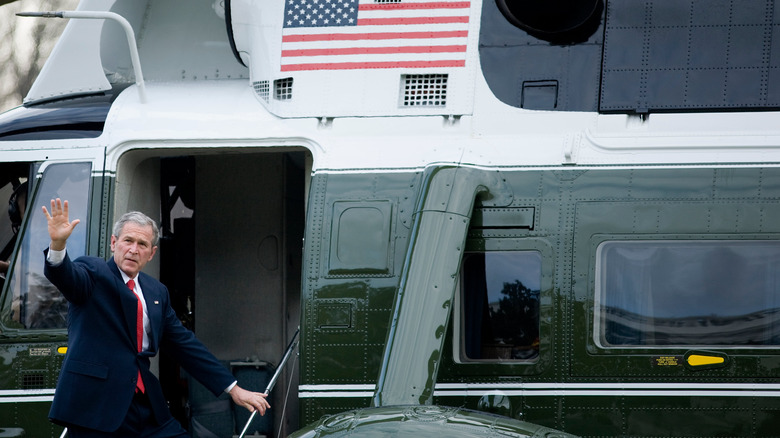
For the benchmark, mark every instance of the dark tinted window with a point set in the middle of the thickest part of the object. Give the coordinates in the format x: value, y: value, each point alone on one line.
x: 500, y: 302
x: 688, y: 293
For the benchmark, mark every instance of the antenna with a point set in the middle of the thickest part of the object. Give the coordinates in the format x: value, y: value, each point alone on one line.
x: 139, y: 77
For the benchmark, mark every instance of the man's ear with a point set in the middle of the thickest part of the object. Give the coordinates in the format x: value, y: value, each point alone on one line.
x: 154, y: 251
x: 113, y: 242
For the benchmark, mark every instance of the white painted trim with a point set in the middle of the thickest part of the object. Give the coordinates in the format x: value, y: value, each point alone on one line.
x: 336, y: 391
x: 335, y: 394
x: 26, y: 395
x: 563, y: 390
x: 26, y: 399
x: 608, y: 389
x: 370, y: 387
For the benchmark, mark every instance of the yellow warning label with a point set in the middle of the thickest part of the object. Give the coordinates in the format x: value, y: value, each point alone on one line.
x: 667, y: 361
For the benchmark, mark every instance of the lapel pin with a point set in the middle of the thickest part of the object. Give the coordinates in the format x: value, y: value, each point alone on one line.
x: 156, y: 302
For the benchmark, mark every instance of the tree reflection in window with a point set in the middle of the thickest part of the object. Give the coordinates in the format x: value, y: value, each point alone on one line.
x: 500, y: 292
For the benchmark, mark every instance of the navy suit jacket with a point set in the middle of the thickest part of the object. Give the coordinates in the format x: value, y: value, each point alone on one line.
x: 99, y: 373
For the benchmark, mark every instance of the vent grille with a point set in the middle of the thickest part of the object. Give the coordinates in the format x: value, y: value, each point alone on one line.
x: 283, y: 89
x: 33, y: 380
x: 423, y: 90
x: 263, y: 89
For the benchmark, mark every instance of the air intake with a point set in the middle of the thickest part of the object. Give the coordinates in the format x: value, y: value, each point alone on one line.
x: 283, y: 89
x: 262, y: 89
x: 33, y: 380
x: 423, y: 90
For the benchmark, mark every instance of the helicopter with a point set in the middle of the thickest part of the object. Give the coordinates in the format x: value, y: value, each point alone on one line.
x: 488, y: 218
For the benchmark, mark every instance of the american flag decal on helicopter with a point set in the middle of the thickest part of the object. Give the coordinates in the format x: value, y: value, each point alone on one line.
x: 366, y: 34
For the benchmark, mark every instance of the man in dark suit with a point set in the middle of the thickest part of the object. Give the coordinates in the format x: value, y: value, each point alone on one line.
x: 118, y: 318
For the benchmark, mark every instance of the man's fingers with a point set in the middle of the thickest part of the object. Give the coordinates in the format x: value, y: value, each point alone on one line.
x: 56, y: 208
x: 251, y: 407
x: 258, y: 404
x: 252, y: 401
x: 60, y: 212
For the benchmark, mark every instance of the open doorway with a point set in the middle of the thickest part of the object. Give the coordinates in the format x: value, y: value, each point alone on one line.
x: 230, y: 254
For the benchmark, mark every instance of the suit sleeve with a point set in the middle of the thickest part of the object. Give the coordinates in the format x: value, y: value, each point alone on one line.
x: 73, y: 279
x: 192, y: 355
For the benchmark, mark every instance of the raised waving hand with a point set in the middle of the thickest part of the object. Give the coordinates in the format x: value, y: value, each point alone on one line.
x: 60, y: 226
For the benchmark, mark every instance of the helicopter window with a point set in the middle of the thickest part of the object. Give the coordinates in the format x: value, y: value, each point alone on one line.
x: 688, y: 293
x: 31, y: 301
x: 500, y: 301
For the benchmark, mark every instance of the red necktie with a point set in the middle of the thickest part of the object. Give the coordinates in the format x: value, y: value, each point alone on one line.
x: 139, y: 331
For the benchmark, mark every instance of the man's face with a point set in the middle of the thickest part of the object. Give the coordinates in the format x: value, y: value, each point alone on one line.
x: 133, y: 248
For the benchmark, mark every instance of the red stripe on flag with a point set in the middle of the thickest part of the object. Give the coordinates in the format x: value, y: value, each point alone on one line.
x: 410, y: 20
x: 373, y: 50
x: 373, y: 36
x: 368, y: 65
x: 430, y: 5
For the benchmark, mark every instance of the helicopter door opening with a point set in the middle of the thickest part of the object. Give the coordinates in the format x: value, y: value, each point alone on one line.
x: 231, y: 230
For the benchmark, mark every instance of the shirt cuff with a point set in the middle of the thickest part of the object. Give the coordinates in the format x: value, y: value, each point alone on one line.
x: 232, y: 385
x: 55, y: 257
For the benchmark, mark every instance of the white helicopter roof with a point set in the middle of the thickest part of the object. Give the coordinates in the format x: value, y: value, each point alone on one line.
x: 377, y: 61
